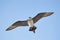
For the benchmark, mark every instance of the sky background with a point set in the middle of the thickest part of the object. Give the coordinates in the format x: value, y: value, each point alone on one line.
x: 48, y: 28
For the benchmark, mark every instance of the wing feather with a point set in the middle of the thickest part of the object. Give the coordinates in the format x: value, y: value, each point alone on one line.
x: 41, y: 15
x: 16, y: 24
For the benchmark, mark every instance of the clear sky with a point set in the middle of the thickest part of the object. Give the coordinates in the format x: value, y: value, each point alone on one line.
x: 48, y: 28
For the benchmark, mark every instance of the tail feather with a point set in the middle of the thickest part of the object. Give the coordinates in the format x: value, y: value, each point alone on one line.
x: 32, y: 29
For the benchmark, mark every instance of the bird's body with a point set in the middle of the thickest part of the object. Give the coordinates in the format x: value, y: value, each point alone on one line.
x: 30, y: 22
x: 31, y: 25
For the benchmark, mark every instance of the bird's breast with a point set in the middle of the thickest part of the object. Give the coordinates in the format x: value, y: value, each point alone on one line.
x: 30, y: 23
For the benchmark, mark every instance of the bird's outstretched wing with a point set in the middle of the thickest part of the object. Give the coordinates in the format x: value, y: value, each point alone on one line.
x: 41, y: 15
x: 24, y: 23
x: 16, y: 24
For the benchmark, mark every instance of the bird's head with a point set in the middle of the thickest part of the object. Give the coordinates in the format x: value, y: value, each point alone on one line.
x: 29, y: 18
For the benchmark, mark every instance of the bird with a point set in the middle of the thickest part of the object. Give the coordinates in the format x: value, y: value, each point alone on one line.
x: 30, y: 22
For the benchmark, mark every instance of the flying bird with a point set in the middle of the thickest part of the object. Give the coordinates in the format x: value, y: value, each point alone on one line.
x: 30, y: 22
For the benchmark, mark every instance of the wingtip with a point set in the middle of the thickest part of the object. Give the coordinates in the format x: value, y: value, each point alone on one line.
x: 7, y: 29
x: 52, y: 12
x: 10, y: 28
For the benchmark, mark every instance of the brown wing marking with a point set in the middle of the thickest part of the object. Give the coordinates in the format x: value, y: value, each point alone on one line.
x: 41, y: 15
x: 16, y: 24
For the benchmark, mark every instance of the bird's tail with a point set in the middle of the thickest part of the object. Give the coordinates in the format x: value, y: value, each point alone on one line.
x: 32, y: 29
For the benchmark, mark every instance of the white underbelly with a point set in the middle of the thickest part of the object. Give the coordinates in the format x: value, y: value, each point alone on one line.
x: 30, y: 23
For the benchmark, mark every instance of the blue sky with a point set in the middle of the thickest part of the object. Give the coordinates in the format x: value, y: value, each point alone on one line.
x: 48, y: 28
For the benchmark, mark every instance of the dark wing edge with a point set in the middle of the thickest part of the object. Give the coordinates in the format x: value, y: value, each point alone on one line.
x: 41, y: 15
x: 16, y: 24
